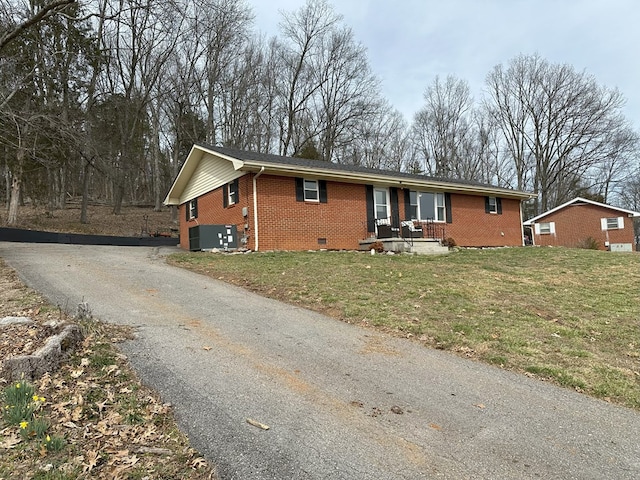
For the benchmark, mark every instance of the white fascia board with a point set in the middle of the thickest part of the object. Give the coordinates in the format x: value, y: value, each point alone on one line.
x: 174, y: 197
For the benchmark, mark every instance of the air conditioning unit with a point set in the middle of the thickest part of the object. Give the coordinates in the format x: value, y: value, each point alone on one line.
x: 207, y: 237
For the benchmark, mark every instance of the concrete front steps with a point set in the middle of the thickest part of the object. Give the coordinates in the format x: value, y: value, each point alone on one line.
x: 419, y: 246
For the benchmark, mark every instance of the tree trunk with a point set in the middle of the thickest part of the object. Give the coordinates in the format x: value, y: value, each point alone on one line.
x: 85, y: 193
x: 118, y: 195
x: 16, y: 185
x: 157, y: 174
x: 52, y: 190
x: 62, y: 194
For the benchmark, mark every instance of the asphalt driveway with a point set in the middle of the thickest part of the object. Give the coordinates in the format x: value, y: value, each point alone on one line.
x: 342, y: 402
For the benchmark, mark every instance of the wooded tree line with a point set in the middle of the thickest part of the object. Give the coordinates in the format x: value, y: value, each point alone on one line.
x: 103, y: 99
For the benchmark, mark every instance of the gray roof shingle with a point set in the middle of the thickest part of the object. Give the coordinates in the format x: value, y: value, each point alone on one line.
x: 307, y: 163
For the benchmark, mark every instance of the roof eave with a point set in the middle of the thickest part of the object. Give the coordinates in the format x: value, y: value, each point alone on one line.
x: 365, y: 178
x: 533, y: 220
x: 189, y: 166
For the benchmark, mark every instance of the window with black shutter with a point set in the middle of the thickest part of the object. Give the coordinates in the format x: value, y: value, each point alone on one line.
x: 493, y: 205
x: 308, y: 190
x: 191, y: 210
x: 231, y: 193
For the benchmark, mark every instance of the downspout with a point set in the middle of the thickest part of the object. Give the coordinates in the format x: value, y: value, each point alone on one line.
x: 522, y: 227
x: 255, y: 207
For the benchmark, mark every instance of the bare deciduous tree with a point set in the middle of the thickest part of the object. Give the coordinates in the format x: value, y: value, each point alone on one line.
x: 557, y: 124
x: 303, y: 32
x: 444, y: 133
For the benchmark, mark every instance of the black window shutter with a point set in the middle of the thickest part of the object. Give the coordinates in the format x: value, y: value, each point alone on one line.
x: 395, y: 208
x: 487, y: 209
x: 225, y: 195
x: 407, y: 204
x: 499, y: 205
x: 186, y: 211
x: 371, y: 214
x: 447, y: 207
x: 236, y: 188
x: 299, y: 189
x: 195, y: 207
x: 322, y: 186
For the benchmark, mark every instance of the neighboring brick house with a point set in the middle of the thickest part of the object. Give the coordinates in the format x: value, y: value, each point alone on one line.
x: 579, y: 221
x: 309, y: 204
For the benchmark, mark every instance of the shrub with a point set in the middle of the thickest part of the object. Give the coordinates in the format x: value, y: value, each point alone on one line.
x: 589, y: 243
x: 378, y: 247
x: 449, y: 242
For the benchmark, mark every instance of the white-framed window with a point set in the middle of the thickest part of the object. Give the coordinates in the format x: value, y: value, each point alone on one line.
x: 192, y: 208
x: 381, y: 201
x: 493, y: 205
x: 428, y: 206
x: 612, y: 223
x: 233, y: 193
x: 545, y: 228
x: 413, y: 206
x: 311, y: 191
x: 441, y: 210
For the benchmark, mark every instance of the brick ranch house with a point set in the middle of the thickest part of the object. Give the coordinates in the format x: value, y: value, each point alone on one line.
x: 573, y: 223
x: 282, y: 203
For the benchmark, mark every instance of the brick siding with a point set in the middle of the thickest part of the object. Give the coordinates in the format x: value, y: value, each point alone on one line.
x: 575, y: 223
x: 286, y: 224
x: 472, y: 227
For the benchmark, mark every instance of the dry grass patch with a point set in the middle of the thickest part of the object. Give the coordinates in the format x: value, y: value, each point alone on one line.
x: 566, y: 315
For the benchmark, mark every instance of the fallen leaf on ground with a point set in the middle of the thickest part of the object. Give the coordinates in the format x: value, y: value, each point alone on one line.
x: 198, y: 463
x: 92, y: 461
x: 10, y: 442
x: 255, y: 423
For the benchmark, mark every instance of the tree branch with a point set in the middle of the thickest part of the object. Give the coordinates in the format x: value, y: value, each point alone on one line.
x: 45, y: 12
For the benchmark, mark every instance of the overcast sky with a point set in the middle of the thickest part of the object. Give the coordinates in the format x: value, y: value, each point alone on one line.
x: 409, y: 42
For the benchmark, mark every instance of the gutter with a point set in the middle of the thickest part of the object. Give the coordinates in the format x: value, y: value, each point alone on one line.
x: 255, y: 207
x: 387, y: 180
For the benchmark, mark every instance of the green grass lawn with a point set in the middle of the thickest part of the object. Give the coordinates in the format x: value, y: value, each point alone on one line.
x: 567, y: 315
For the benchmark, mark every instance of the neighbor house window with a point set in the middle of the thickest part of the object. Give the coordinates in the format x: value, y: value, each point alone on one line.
x: 545, y: 228
x: 192, y: 209
x: 614, y: 223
